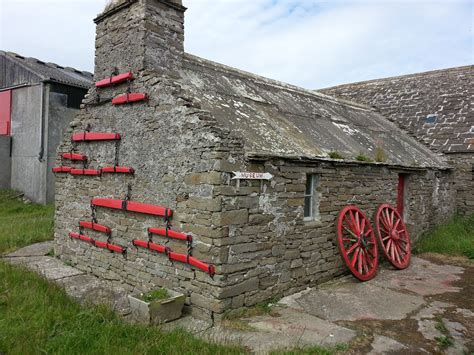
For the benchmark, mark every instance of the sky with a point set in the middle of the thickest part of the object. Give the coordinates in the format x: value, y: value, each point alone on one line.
x: 309, y: 43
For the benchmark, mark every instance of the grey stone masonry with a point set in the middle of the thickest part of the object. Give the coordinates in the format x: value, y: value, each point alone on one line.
x: 184, y: 157
x: 437, y: 107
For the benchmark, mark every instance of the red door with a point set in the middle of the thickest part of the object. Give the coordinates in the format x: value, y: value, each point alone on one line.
x: 400, y: 194
x: 5, y: 112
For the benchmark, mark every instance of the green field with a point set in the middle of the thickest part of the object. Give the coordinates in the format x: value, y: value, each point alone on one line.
x: 23, y: 223
x: 453, y: 238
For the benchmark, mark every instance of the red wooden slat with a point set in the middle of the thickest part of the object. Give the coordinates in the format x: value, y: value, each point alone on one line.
x: 152, y: 246
x: 111, y: 247
x: 132, y: 206
x: 114, y: 80
x: 178, y: 257
x: 201, y: 265
x: 129, y: 98
x: 95, y: 136
x: 171, y: 234
x: 82, y: 237
x: 74, y: 156
x: 149, y: 209
x: 118, y: 170
x: 88, y: 172
x: 95, y: 227
x: 62, y: 169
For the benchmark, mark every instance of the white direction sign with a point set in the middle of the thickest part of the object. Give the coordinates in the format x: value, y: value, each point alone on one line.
x: 242, y: 175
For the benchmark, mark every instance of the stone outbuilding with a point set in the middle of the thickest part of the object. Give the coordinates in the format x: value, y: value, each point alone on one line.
x: 436, y: 107
x: 37, y: 102
x: 150, y: 196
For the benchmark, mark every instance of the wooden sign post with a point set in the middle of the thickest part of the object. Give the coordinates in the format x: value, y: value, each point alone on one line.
x: 242, y: 175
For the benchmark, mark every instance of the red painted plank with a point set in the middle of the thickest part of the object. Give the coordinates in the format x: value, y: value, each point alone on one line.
x: 111, y: 247
x: 171, y: 234
x: 82, y: 237
x: 95, y: 227
x: 62, y: 169
x: 210, y: 269
x: 88, y: 172
x: 149, y: 209
x: 132, y: 206
x: 118, y: 170
x: 117, y: 79
x: 74, y: 156
x: 129, y: 98
x: 95, y: 136
x: 178, y: 257
x: 107, y: 203
x: 152, y: 246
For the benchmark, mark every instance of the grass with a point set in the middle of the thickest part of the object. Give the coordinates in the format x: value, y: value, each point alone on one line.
x: 313, y: 350
x: 362, y: 157
x: 21, y: 223
x: 159, y: 294
x: 233, y: 319
x: 453, y: 238
x: 37, y: 316
x: 446, y: 340
x: 380, y: 156
x: 335, y: 155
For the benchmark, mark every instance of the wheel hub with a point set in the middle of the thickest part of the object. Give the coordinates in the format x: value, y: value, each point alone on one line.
x: 395, y: 235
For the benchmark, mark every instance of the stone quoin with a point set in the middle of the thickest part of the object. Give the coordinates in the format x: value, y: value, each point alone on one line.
x: 200, y: 123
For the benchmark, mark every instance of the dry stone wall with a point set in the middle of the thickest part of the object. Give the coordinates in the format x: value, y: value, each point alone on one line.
x: 272, y: 251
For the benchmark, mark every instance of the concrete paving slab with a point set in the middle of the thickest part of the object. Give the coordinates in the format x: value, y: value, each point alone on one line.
x: 51, y: 268
x: 432, y: 309
x: 383, y: 345
x: 89, y: 289
x: 360, y: 301
x: 300, y: 325
x: 38, y: 249
x: 422, y: 277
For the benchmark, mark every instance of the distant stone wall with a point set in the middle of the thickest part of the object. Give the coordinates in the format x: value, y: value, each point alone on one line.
x: 436, y: 107
x: 464, y: 179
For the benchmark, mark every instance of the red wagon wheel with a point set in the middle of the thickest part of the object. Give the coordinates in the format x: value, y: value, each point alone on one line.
x: 357, y: 243
x: 393, y: 236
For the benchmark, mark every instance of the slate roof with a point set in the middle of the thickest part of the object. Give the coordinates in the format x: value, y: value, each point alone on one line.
x: 437, y: 106
x: 281, y: 120
x: 51, y: 71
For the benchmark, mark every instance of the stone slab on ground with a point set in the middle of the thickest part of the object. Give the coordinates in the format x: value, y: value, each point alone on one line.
x: 308, y: 329
x: 383, y: 345
x: 357, y: 301
x: 38, y: 249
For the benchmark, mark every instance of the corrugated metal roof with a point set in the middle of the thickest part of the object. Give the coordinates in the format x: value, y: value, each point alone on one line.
x: 51, y: 71
x: 278, y: 119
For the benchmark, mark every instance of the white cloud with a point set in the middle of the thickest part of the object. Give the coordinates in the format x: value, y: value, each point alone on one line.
x: 311, y: 43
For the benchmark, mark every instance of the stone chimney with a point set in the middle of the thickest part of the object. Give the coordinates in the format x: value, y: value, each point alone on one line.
x: 133, y: 35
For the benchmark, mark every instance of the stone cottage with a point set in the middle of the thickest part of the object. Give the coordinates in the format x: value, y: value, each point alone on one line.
x: 38, y: 100
x: 146, y: 190
x: 436, y: 107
